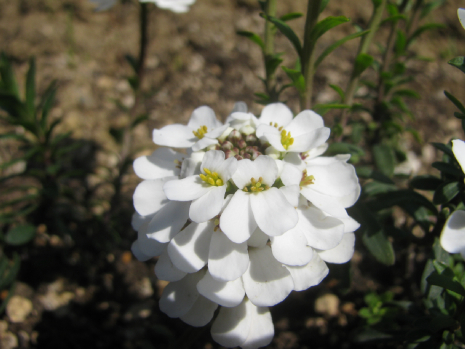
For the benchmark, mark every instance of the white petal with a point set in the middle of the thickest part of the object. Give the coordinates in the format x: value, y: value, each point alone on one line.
x: 179, y: 297
x: 212, y: 160
x: 461, y: 14
x: 232, y: 325
x: 309, y: 275
x: 272, y: 212
x: 150, y: 247
x: 264, y: 129
x: 237, y: 220
x: 217, y: 132
x: 266, y: 282
x: 165, y: 269
x: 200, y: 313
x: 453, y: 234
x: 176, y: 136
x: 208, y: 205
x: 304, y: 122
x: 137, y: 252
x: 204, y: 143
x: 191, y: 165
x: 261, y: 331
x: 227, y: 294
x: 291, y: 193
x: 258, y: 238
x: 163, y: 162
x: 137, y: 220
x: 322, y: 232
x: 274, y: 138
x: 458, y: 146
x: 276, y: 113
x: 310, y: 140
x: 268, y: 169
x: 189, y: 249
x: 185, y: 189
x: 149, y: 196
x: 291, y: 248
x: 246, y: 169
x: 342, y: 253
x: 226, y: 169
x: 203, y: 116
x: 168, y: 221
x: 291, y: 174
x: 226, y: 259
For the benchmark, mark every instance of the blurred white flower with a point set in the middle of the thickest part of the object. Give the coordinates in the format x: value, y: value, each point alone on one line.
x: 178, y: 6
x: 461, y: 14
x: 453, y: 234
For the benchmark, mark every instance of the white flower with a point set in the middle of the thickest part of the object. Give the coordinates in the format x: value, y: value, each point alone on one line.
x: 201, y: 131
x: 461, y: 14
x: 287, y: 134
x: 207, y: 190
x: 257, y: 203
x: 178, y: 6
x: 453, y: 234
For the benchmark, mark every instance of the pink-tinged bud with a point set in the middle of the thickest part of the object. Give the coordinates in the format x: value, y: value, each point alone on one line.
x: 247, y: 156
x: 303, y: 156
x: 238, y: 157
x: 234, y: 136
x: 227, y: 145
x: 255, y: 154
x: 251, y: 139
x: 236, y: 150
x: 241, y: 144
x: 228, y: 154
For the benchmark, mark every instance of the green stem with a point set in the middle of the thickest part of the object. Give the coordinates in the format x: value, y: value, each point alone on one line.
x: 307, y: 56
x: 365, y: 43
x: 268, y: 52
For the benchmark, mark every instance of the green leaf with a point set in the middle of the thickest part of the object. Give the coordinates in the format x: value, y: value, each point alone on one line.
x: 8, y: 81
x: 291, y: 16
x: 375, y: 188
x: 393, y: 18
x: 339, y: 91
x: 446, y: 282
x: 373, y: 235
x: 454, y: 100
x: 132, y: 62
x: 20, y: 234
x: 253, y: 37
x: 323, y: 5
x: 447, y: 168
x: 323, y: 26
x: 13, y: 106
x: 31, y: 87
x: 139, y: 119
x: 358, y: 129
x: 458, y: 62
x: 406, y: 93
x: 401, y: 43
x: 272, y: 62
x: 444, y: 148
x: 117, y: 133
x: 422, y: 29
x: 400, y: 198
x: 430, y: 6
x: 362, y: 62
x: 425, y: 182
x: 286, y: 31
x: 384, y: 158
x: 297, y: 78
x: 338, y: 43
x: 446, y: 192
x: 46, y: 104
x: 366, y: 172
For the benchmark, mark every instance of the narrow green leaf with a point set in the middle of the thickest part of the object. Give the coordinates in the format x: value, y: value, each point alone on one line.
x: 407, y: 93
x: 272, y: 63
x: 447, y: 168
x: 46, y: 104
x: 430, y: 6
x: 31, y: 87
x: 425, y: 182
x: 291, y: 16
x: 400, y: 198
x: 132, y: 62
x: 362, y: 62
x: 296, y: 77
x: 338, y: 43
x: 253, y: 37
x: 401, y: 43
x: 323, y: 5
x: 446, y: 282
x: 13, y: 106
x: 286, y: 31
x: 375, y: 188
x: 446, y: 149
x: 20, y: 234
x: 8, y: 80
x: 366, y: 172
x: 454, y: 100
x: 323, y: 26
x: 458, y: 62
x: 384, y: 158
x: 345, y: 148
x: 393, y: 18
x: 373, y: 235
x: 422, y: 29
x: 446, y: 192
x: 339, y: 91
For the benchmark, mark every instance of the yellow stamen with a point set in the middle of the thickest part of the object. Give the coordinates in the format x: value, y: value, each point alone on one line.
x: 306, y: 179
x: 211, y: 178
x: 200, y: 132
x: 286, y: 139
x: 255, y: 186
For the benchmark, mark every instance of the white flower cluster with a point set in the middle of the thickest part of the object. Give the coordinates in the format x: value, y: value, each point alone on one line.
x: 178, y: 6
x: 250, y: 213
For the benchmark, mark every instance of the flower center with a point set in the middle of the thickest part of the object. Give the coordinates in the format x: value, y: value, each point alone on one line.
x: 256, y: 186
x: 200, y: 132
x: 211, y: 178
x: 306, y: 179
x: 286, y: 139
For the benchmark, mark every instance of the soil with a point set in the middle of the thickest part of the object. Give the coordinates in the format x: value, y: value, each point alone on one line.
x: 86, y: 290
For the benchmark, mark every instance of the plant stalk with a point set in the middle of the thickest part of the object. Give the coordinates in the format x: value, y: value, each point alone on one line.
x: 268, y: 52
x: 307, y: 56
